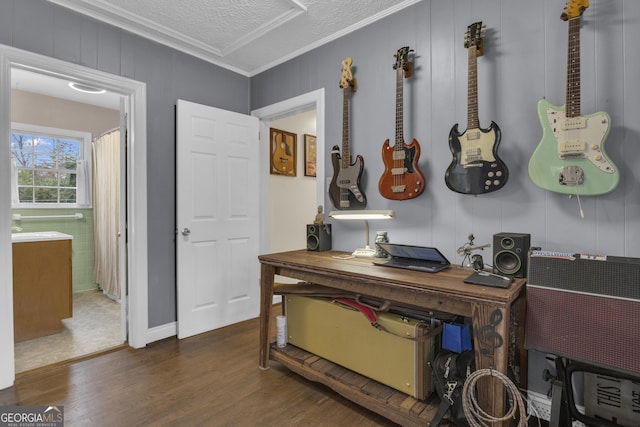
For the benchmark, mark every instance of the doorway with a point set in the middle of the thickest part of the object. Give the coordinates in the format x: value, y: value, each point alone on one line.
x: 311, y: 101
x: 78, y: 130
x: 133, y: 95
x: 293, y: 201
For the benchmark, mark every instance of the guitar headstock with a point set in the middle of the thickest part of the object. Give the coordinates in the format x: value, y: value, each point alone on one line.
x: 347, y: 79
x: 574, y: 9
x: 402, y: 61
x: 474, y: 36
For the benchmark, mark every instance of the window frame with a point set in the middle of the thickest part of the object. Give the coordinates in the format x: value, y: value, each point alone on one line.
x: 85, y: 155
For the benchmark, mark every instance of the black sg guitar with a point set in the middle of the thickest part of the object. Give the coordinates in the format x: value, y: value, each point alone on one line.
x: 344, y: 190
x: 476, y: 167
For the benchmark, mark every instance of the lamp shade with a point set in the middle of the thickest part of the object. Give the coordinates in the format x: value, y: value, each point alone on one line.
x: 362, y: 214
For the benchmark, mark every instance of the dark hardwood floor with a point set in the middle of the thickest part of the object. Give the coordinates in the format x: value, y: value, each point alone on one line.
x: 211, y: 379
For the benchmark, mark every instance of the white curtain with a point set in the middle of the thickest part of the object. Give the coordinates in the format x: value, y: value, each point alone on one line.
x: 83, y: 195
x: 14, y: 182
x: 106, y: 212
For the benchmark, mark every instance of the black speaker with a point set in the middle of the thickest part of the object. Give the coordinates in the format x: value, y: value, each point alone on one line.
x: 318, y: 237
x: 510, y: 253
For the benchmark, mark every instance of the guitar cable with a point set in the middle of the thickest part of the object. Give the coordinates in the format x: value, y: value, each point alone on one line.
x: 476, y: 416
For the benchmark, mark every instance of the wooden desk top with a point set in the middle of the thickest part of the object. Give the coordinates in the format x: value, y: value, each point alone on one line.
x: 361, y: 276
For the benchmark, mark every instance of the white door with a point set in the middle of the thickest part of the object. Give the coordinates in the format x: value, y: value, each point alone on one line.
x: 217, y: 218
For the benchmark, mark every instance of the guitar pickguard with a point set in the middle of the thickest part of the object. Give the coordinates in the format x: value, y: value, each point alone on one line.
x: 569, y: 145
x: 344, y: 189
x: 581, y: 137
x: 476, y: 145
x: 348, y: 178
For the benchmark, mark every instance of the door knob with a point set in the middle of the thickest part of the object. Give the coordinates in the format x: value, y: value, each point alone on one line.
x: 186, y: 231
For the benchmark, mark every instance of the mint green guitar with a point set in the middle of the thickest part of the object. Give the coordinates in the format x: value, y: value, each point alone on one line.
x: 570, y: 158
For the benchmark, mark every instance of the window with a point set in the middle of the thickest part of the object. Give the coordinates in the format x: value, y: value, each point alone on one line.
x: 51, y: 167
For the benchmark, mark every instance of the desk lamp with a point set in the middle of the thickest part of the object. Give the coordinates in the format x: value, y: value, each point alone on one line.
x: 365, y: 215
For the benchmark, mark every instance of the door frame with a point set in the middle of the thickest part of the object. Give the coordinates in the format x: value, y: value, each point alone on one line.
x: 134, y: 93
x: 288, y: 107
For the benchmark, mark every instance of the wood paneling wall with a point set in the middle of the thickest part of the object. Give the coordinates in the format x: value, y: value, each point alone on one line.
x: 524, y: 60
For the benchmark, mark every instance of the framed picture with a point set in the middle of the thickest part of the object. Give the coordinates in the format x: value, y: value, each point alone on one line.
x: 309, y: 155
x: 283, y: 152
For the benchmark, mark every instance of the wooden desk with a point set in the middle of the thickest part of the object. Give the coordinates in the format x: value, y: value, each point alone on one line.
x: 497, y: 315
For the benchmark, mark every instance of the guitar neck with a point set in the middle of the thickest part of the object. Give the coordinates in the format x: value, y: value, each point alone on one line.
x: 399, y: 110
x: 573, y: 69
x: 346, y: 155
x: 472, y: 90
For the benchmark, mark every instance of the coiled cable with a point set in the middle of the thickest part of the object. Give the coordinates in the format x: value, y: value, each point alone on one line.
x: 476, y: 416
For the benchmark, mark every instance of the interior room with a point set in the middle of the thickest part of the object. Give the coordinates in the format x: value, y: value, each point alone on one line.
x: 41, y: 107
x: 276, y: 154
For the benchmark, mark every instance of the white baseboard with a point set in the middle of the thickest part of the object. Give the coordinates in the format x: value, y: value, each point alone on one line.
x: 540, y: 406
x: 161, y: 332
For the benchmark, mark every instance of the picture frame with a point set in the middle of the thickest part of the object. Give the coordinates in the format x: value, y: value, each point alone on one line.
x: 283, y: 148
x: 310, y: 155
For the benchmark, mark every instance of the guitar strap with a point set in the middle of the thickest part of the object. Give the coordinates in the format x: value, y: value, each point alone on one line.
x: 372, y: 317
x: 445, y: 404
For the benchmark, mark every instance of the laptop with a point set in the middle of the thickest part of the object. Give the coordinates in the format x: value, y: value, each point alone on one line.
x: 409, y: 257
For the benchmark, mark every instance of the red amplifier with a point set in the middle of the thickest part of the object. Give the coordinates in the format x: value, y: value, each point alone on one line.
x: 585, y: 308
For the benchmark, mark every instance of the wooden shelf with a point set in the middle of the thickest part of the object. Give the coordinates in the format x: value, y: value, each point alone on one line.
x: 386, y: 401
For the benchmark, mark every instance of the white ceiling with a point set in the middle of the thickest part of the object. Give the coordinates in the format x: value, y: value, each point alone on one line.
x: 56, y: 87
x: 245, y: 36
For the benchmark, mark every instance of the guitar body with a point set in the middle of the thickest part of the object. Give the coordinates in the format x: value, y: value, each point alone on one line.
x: 401, y: 179
x: 476, y: 167
x: 344, y: 189
x: 570, y: 158
x: 283, y: 155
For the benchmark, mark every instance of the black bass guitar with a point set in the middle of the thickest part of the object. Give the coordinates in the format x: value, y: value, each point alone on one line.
x: 344, y: 191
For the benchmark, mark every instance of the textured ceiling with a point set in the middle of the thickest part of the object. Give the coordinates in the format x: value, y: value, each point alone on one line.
x: 246, y: 36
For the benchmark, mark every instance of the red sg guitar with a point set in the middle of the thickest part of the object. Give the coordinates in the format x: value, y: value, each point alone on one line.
x: 401, y: 179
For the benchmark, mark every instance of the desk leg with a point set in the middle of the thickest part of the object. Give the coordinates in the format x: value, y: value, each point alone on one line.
x: 491, y: 343
x: 266, y: 302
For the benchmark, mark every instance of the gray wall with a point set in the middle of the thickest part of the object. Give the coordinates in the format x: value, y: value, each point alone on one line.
x: 41, y: 27
x: 524, y: 60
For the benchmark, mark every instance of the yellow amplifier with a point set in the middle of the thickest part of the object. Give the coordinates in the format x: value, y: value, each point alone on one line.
x: 397, y: 354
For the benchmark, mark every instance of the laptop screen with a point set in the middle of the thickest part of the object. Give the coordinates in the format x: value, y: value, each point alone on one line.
x: 414, y: 252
